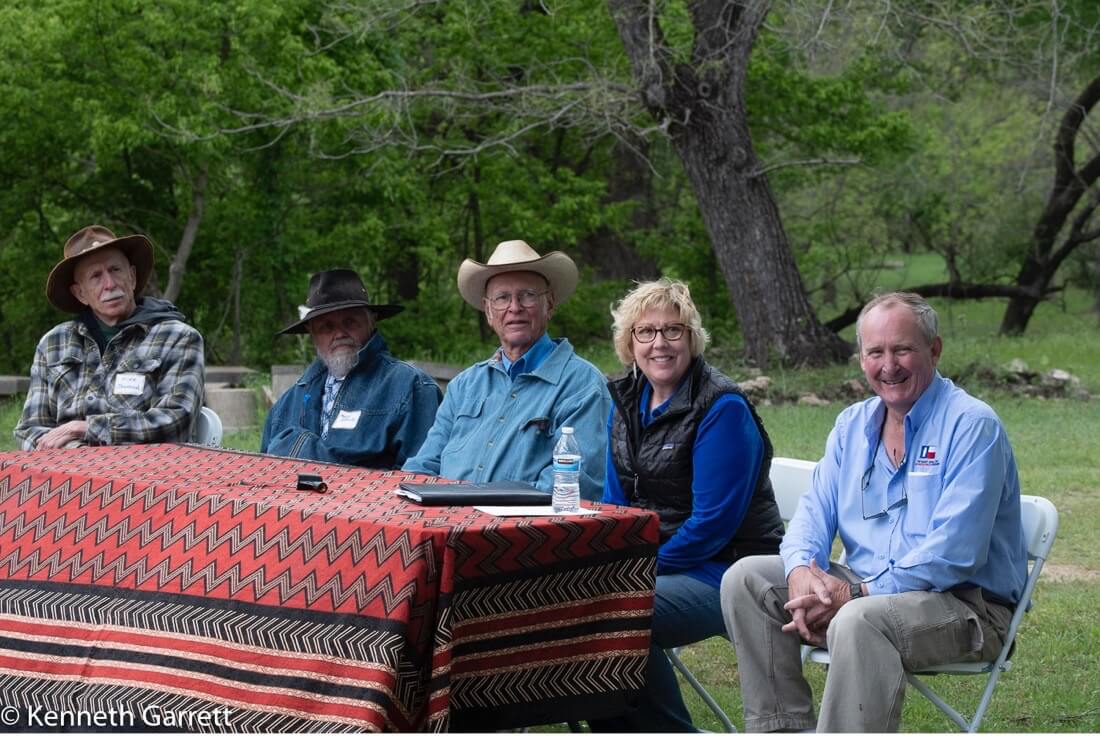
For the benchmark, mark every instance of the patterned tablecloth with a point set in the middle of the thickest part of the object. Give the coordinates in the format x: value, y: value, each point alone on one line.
x: 179, y: 586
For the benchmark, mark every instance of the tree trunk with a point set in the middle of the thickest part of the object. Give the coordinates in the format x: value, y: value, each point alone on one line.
x: 753, y: 253
x: 235, y: 354
x: 701, y: 104
x: 187, y: 242
x: 1071, y: 183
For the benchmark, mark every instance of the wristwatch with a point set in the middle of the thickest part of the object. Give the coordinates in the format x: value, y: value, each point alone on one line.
x: 856, y: 591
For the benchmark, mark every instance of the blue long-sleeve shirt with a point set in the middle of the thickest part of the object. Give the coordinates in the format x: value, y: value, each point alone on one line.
x: 722, y: 486
x: 948, y: 517
x: 493, y: 427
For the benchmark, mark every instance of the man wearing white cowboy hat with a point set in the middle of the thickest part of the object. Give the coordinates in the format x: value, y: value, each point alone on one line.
x: 356, y: 404
x: 501, y: 417
x: 126, y: 369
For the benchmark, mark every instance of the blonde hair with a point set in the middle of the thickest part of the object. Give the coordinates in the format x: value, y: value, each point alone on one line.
x: 656, y: 295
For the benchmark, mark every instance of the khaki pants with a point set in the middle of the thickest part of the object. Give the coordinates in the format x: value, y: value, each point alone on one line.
x: 872, y: 641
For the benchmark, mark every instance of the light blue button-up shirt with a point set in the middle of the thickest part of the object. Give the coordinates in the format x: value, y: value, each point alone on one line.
x: 530, y: 360
x: 490, y: 427
x: 949, y: 517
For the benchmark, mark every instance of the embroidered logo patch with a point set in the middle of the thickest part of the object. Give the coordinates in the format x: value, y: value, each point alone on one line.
x: 927, y: 458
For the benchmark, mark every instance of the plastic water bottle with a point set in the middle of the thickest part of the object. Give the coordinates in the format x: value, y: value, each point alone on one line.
x: 567, y: 473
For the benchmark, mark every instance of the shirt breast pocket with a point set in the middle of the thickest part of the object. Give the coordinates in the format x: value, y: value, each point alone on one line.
x: 65, y: 377
x: 922, y: 491
x: 468, y: 420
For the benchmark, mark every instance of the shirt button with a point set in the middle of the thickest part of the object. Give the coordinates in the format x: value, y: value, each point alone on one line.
x: 513, y: 395
x: 502, y: 420
x: 882, y: 557
x: 891, y: 562
x: 481, y: 467
x: 490, y: 443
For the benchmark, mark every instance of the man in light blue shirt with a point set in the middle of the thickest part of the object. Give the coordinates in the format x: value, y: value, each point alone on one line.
x: 921, y: 484
x: 501, y: 417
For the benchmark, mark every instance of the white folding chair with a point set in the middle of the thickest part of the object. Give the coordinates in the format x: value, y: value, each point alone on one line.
x: 790, y: 479
x: 208, y: 428
x: 1040, y: 519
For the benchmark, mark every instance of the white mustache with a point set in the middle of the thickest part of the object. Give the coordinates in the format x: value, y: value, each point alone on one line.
x: 113, y: 294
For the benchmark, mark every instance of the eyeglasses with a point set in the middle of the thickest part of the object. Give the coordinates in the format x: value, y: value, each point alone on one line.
x: 648, y: 333
x: 526, y: 298
x: 865, y: 481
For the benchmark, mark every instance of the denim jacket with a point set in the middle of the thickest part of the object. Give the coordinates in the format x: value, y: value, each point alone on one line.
x: 491, y: 428
x: 383, y: 411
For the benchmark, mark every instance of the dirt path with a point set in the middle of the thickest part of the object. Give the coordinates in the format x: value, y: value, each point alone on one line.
x: 1069, y: 574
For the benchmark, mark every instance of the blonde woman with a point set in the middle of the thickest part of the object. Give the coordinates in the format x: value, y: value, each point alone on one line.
x: 685, y: 442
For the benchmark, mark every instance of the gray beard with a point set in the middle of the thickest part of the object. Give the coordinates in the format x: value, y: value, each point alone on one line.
x: 339, y: 362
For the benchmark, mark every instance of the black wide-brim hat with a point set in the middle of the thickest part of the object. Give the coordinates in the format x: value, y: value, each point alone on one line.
x: 333, y: 290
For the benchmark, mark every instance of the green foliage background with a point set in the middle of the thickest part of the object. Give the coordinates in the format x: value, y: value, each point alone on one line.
x: 126, y: 113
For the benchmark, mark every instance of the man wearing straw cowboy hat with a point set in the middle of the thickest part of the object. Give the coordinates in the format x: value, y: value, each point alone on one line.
x: 356, y: 404
x: 501, y: 417
x: 126, y: 369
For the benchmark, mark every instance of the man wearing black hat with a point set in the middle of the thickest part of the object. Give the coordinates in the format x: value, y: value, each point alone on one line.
x: 356, y: 404
x: 126, y: 369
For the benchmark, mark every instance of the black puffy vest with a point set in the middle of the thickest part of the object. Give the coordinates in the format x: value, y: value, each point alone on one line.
x: 654, y: 463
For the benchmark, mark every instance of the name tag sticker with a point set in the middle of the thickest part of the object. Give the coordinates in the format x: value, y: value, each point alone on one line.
x: 346, y: 420
x: 130, y: 384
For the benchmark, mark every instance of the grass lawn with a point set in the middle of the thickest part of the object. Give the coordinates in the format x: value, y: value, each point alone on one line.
x: 1055, y: 682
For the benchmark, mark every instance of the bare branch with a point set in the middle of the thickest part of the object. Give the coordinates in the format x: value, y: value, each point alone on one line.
x: 805, y: 162
x: 951, y: 291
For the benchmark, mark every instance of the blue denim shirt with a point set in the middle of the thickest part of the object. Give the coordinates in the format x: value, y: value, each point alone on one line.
x: 383, y: 410
x: 490, y: 427
x: 948, y: 517
x: 530, y: 360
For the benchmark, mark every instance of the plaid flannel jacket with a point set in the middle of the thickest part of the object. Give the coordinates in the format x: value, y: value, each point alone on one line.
x: 158, y: 400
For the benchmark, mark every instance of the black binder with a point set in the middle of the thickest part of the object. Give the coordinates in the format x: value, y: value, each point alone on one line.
x: 496, y: 493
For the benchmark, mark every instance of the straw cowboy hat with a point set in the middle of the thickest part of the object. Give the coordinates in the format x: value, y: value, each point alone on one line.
x: 333, y: 290
x: 85, y: 241
x: 515, y: 255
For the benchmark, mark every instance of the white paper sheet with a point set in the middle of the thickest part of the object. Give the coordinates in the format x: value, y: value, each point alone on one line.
x: 530, y: 511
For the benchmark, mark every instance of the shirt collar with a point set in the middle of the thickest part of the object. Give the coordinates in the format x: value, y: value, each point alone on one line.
x: 648, y: 415
x: 918, y: 413
x: 530, y: 360
x: 920, y: 410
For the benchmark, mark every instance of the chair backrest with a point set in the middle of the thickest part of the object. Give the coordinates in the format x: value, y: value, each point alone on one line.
x: 208, y: 428
x: 790, y: 479
x: 1040, y: 520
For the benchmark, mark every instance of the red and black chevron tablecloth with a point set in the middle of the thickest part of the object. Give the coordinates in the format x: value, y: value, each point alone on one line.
x: 157, y: 582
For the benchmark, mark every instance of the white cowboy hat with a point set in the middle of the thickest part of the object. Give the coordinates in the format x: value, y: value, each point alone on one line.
x: 515, y: 255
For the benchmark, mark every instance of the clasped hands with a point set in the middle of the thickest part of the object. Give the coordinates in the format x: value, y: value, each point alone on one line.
x: 815, y: 598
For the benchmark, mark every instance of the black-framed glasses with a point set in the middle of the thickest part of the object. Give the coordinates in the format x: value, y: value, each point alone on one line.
x: 527, y: 298
x: 648, y: 333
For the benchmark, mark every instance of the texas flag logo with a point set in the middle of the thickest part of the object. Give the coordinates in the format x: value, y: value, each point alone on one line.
x: 927, y: 452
